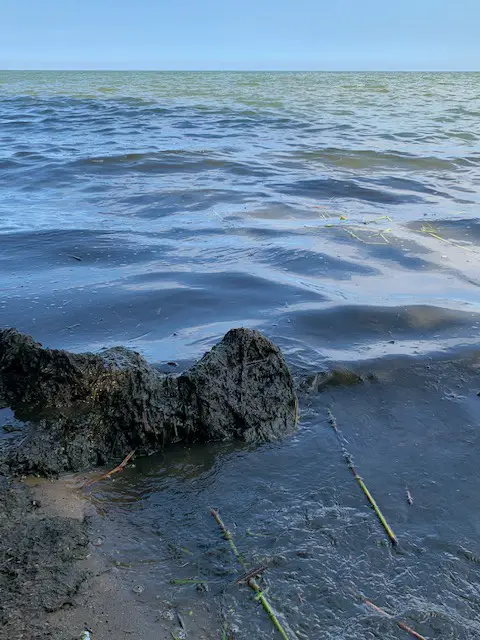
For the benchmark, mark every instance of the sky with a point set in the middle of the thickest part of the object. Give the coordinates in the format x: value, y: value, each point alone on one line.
x: 240, y: 34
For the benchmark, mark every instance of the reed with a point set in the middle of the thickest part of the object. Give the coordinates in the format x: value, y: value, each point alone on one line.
x: 428, y: 229
x: 333, y: 423
x: 252, y: 583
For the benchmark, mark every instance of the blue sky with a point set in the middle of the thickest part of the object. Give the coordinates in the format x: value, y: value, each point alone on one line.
x: 240, y: 34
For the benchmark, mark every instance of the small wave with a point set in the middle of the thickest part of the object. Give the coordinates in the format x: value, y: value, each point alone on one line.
x: 346, y: 189
x: 312, y: 263
x: 181, y: 161
x: 369, y: 158
x: 346, y: 324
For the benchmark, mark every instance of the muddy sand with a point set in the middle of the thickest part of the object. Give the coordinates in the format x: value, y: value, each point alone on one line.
x: 54, y: 580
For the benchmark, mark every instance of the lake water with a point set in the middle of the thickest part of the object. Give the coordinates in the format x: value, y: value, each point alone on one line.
x: 337, y: 213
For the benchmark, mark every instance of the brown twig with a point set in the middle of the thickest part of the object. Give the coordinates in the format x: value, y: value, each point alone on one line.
x: 120, y: 467
x: 251, y: 574
x: 402, y: 625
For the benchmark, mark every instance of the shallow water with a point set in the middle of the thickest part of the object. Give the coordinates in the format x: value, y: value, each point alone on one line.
x: 295, y: 507
x: 339, y: 214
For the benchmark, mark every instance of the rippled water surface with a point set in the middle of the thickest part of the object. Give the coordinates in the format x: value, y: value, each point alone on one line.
x: 339, y: 214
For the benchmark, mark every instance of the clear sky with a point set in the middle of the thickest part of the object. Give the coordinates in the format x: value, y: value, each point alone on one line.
x: 240, y: 34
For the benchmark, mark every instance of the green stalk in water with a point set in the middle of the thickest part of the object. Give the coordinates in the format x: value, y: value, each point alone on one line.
x: 252, y: 583
x: 228, y: 536
x: 356, y: 475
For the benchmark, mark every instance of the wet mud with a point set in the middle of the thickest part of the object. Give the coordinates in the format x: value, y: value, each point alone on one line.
x: 39, y: 570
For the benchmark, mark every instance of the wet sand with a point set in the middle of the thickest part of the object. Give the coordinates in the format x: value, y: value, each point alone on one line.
x: 96, y: 599
x: 105, y: 605
x: 40, y: 570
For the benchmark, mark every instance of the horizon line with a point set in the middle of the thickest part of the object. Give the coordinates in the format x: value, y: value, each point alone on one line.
x: 159, y: 70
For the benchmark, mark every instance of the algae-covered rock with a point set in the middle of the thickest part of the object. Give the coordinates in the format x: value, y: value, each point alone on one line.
x: 86, y: 408
x: 333, y: 378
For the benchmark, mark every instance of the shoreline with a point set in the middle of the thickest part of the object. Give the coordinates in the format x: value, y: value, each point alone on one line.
x: 86, y: 407
x: 95, y: 598
x: 419, y: 400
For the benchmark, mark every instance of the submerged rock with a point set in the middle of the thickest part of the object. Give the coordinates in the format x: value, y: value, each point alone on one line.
x: 333, y: 378
x: 86, y: 408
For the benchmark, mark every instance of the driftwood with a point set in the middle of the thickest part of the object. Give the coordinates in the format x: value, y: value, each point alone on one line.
x: 84, y: 409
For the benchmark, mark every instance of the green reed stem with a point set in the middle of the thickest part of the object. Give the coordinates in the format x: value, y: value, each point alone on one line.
x: 252, y: 583
x: 356, y: 475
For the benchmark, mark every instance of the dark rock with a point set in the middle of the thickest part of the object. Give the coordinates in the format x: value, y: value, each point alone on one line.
x: 84, y: 409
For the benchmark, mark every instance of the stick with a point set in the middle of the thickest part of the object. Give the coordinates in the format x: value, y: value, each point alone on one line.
x: 251, y: 574
x: 349, y: 460
x: 333, y: 423
x: 402, y: 625
x: 252, y: 583
x: 260, y: 595
x: 391, y: 535
x: 120, y: 467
